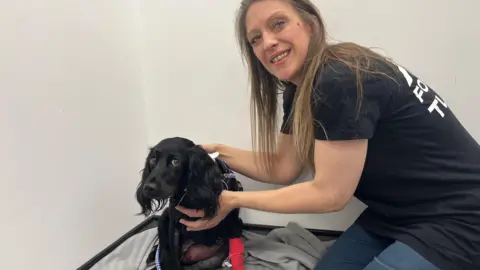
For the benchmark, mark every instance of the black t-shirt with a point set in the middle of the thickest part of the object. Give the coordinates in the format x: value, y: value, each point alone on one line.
x: 421, y: 179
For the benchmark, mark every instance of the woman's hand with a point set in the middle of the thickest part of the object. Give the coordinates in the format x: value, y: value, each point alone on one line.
x: 210, y: 148
x: 226, y: 205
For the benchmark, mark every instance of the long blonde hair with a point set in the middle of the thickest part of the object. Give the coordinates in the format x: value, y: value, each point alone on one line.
x: 265, y: 87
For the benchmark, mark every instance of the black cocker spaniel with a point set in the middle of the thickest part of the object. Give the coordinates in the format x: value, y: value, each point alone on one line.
x: 179, y: 172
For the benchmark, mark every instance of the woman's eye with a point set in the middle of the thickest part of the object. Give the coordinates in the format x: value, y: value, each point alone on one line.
x: 253, y: 40
x: 278, y: 24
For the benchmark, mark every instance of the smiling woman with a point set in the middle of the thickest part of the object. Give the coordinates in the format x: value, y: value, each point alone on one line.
x: 365, y: 126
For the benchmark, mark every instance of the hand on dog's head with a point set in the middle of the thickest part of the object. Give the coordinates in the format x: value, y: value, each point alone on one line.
x: 175, y: 166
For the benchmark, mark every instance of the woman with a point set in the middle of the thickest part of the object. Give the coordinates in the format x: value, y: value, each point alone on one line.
x: 366, y: 127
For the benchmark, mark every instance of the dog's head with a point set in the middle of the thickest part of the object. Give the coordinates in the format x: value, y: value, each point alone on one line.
x: 175, y: 166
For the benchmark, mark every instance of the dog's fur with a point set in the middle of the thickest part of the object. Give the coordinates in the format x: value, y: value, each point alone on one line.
x: 180, y: 172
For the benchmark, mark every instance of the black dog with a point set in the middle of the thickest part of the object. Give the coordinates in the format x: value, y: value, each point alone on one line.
x: 182, y: 173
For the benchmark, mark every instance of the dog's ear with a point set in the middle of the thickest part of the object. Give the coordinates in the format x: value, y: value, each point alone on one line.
x: 204, y: 180
x: 145, y: 203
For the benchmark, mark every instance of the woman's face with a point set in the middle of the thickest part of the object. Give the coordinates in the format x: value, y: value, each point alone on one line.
x: 279, y: 38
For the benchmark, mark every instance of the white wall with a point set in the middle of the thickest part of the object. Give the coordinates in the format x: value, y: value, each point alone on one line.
x: 72, y: 129
x: 64, y: 198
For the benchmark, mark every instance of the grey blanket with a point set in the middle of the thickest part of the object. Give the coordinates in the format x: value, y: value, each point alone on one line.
x: 289, y: 248
x: 131, y: 254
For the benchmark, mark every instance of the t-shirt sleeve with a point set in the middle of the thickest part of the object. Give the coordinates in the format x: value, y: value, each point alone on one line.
x: 337, y: 114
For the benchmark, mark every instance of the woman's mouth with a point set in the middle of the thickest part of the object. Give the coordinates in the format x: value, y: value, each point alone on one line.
x: 280, y: 58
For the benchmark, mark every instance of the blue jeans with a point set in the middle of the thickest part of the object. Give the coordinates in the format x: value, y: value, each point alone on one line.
x: 358, y: 249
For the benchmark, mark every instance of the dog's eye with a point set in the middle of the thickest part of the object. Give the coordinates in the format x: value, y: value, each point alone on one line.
x: 153, y: 161
x: 174, y: 162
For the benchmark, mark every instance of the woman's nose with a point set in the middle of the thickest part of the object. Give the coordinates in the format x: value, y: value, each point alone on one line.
x: 269, y: 41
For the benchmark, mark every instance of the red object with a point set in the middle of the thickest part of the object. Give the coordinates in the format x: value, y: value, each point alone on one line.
x: 236, y: 253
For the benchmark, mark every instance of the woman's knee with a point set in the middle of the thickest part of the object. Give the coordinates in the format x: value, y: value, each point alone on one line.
x: 353, y: 250
x: 399, y: 256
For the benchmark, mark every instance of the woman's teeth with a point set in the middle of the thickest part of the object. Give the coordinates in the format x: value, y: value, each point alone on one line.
x: 280, y: 57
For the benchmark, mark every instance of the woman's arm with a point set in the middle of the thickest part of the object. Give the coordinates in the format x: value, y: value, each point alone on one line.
x: 287, y: 167
x: 338, y: 166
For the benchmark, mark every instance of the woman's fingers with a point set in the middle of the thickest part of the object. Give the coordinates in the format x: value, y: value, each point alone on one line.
x: 191, y: 212
x: 209, y: 147
x: 202, y: 223
x: 197, y: 225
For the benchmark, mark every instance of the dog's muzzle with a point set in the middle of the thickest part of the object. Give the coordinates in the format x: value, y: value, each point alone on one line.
x: 159, y: 191
x: 149, y: 190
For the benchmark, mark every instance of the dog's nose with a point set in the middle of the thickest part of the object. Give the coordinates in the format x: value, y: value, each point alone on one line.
x: 149, y: 188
